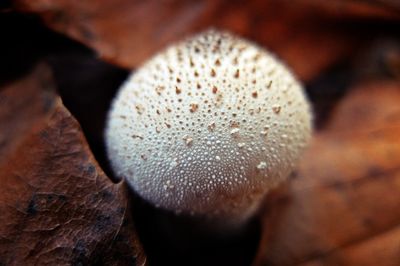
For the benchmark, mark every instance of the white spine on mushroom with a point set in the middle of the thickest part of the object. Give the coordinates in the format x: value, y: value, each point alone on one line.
x: 208, y: 127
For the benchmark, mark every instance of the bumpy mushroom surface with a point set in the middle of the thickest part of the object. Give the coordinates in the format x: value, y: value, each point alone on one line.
x: 208, y: 126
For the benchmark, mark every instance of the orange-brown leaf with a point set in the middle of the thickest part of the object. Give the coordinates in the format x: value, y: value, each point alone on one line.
x: 309, y: 35
x: 345, y: 199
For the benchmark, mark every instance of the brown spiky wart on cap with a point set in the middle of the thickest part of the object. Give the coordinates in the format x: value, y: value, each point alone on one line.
x: 208, y: 127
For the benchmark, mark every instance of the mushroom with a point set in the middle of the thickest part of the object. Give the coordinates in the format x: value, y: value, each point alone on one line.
x: 208, y: 127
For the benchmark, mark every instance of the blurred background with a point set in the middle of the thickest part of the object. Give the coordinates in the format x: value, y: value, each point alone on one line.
x: 342, y: 206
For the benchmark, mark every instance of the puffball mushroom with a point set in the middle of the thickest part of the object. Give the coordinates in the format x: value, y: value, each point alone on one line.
x: 208, y: 127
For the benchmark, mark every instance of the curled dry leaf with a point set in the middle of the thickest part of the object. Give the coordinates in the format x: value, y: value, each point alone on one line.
x: 56, y: 204
x: 343, y: 207
x: 128, y: 32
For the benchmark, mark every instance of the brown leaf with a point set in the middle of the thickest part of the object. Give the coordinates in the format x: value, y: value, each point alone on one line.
x: 309, y: 35
x: 382, y: 249
x: 56, y: 204
x: 343, y: 207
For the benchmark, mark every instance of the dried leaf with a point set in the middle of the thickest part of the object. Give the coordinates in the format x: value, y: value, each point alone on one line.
x: 56, y: 204
x: 343, y: 207
x: 128, y: 32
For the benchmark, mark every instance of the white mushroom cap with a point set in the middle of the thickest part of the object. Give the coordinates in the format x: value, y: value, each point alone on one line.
x: 208, y: 127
